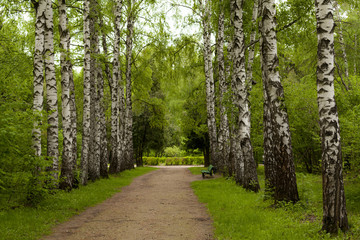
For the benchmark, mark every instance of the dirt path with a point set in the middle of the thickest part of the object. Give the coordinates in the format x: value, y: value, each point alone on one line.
x: 158, y: 205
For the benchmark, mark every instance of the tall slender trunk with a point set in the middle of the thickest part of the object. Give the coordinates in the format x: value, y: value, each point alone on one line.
x: 86, y: 112
x: 334, y: 209
x: 250, y: 179
x: 286, y: 188
x: 114, y: 161
x: 73, y: 120
x: 67, y: 174
x: 121, y: 129
x: 268, y: 158
x: 235, y: 156
x: 209, y: 78
x: 129, y: 159
x: 104, y: 152
x: 224, y: 134
x: 38, y: 74
x: 51, y: 91
x: 249, y: 72
x: 94, y: 161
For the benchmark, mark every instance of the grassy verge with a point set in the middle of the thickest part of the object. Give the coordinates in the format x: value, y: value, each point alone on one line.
x: 239, y: 214
x: 32, y: 223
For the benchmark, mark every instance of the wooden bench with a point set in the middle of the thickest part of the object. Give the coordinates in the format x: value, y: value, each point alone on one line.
x: 211, y: 170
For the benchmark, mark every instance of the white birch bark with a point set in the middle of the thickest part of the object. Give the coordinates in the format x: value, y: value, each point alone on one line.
x: 224, y: 134
x: 129, y: 152
x: 209, y: 79
x: 73, y: 118
x: 93, y: 161
x: 51, y: 91
x: 86, y: 105
x: 121, y: 129
x: 104, y: 149
x: 286, y: 188
x: 38, y: 99
x: 114, y: 161
x: 250, y: 180
x: 102, y: 138
x: 67, y: 174
x: 249, y: 71
x: 334, y: 209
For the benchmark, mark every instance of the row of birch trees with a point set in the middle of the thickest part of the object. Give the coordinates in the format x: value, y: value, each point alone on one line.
x: 95, y: 154
x: 230, y: 145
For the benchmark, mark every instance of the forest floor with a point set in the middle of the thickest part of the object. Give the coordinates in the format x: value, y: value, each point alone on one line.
x: 157, y: 205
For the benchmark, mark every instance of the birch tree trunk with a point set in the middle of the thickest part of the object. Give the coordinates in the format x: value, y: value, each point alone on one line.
x: 38, y: 100
x: 209, y: 78
x: 51, y: 91
x: 67, y: 174
x: 249, y: 72
x: 86, y: 112
x: 73, y: 119
x: 250, y: 180
x: 286, y: 188
x: 104, y: 151
x: 269, y: 160
x: 121, y: 129
x: 114, y: 161
x: 334, y: 209
x: 224, y: 134
x: 129, y: 153
x: 94, y: 161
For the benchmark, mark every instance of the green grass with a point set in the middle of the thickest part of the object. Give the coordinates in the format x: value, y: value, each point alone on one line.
x: 240, y: 214
x: 32, y: 223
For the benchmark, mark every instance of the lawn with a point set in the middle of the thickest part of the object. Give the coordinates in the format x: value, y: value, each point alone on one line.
x: 240, y: 214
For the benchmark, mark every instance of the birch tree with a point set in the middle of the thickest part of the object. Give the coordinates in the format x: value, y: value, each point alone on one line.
x: 249, y: 71
x: 67, y: 174
x: 86, y: 112
x: 104, y: 152
x: 51, y: 90
x: 285, y: 188
x: 129, y: 152
x: 250, y: 180
x: 224, y: 134
x: 209, y: 79
x: 38, y: 100
x: 94, y: 148
x: 334, y: 209
x: 115, y: 161
x: 73, y: 117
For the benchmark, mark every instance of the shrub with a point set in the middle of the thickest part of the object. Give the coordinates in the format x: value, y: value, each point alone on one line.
x: 173, y: 161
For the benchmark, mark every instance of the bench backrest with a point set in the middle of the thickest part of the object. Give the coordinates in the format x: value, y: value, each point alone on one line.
x: 210, y: 168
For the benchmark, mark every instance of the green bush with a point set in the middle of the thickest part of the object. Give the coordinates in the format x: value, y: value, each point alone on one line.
x: 168, y: 161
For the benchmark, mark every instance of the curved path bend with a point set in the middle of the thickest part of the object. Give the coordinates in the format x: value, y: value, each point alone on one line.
x: 159, y: 205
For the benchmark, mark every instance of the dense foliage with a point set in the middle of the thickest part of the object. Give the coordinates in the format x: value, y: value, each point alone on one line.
x: 169, y: 88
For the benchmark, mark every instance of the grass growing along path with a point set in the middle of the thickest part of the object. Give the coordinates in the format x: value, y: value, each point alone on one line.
x: 240, y: 214
x: 31, y: 223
